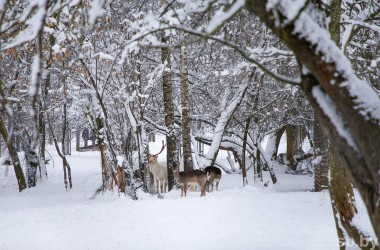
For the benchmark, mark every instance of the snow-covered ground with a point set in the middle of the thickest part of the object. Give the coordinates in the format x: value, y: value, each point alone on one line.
x: 284, y: 216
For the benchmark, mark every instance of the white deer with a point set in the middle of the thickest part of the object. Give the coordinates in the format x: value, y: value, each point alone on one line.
x: 159, y: 171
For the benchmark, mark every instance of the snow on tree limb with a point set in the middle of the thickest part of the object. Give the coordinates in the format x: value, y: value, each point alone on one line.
x: 95, y: 11
x: 221, y: 16
x: 224, y: 120
x: 331, y: 111
x: 34, y: 24
x: 366, y: 100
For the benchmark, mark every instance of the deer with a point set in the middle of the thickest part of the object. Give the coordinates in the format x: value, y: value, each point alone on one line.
x: 213, y: 174
x: 159, y: 171
x: 191, y: 177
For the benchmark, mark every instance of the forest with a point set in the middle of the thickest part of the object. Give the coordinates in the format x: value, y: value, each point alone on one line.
x: 135, y: 98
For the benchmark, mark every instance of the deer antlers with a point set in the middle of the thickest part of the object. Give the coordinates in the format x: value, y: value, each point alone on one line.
x: 162, y: 149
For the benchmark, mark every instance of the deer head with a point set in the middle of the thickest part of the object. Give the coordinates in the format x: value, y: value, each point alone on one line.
x: 175, y: 167
x: 153, y: 157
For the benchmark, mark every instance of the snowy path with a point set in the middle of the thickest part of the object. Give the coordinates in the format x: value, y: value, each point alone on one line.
x: 48, y: 217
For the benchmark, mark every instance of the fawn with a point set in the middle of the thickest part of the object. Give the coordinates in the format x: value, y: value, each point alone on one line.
x: 185, y: 178
x: 213, y: 174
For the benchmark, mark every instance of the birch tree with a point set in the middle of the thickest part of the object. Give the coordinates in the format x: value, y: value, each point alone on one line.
x: 186, y: 125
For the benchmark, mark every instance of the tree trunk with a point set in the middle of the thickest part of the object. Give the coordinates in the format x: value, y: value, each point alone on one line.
x: 268, y: 162
x: 186, y: 125
x: 108, y: 175
x: 42, y: 164
x: 142, y: 140
x: 13, y: 154
x: 291, y: 146
x: 343, y: 201
x: 77, y: 139
x: 321, y: 171
x: 341, y: 191
x: 167, y: 88
x: 278, y: 135
x: 66, y: 166
x: 259, y: 168
x: 32, y: 163
x: 243, y: 164
x: 43, y: 110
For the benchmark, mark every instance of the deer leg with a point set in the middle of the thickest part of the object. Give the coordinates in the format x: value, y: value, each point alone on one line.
x: 185, y: 188
x: 181, y: 191
x: 203, y: 188
x: 203, y: 191
x: 207, y: 186
x: 216, y: 185
x: 161, y: 186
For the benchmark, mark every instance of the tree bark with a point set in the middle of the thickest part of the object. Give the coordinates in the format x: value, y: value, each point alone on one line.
x: 167, y: 88
x: 43, y: 109
x: 259, y: 167
x: 341, y: 190
x: 321, y: 170
x: 243, y: 165
x: 186, y: 124
x: 290, y: 146
x: 32, y: 162
x: 66, y: 166
x: 42, y: 126
x: 278, y: 135
x: 13, y: 154
x: 108, y: 175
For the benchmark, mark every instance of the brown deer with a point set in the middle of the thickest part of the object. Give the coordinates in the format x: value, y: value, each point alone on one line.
x: 213, y: 174
x: 192, y: 177
x: 159, y: 171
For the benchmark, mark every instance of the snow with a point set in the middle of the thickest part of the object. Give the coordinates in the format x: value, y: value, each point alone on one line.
x: 2, y: 4
x: 120, y: 160
x: 346, y: 35
x: 221, y: 16
x: 105, y: 56
x: 284, y: 216
x: 95, y: 11
x: 33, y: 88
x: 332, y: 112
x: 33, y: 24
x: 362, y: 221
